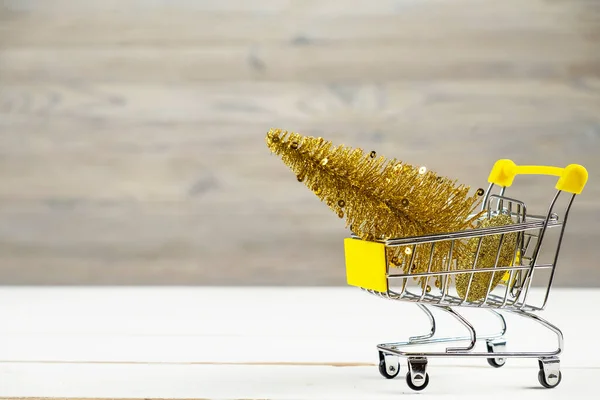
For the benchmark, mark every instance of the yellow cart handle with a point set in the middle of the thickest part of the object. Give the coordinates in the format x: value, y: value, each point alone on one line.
x: 572, y: 178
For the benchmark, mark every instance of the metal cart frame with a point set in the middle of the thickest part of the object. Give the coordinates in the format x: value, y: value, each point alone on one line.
x: 368, y: 268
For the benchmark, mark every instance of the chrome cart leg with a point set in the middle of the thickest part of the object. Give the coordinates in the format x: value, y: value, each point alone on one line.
x: 389, y: 365
x: 496, y: 346
x: 417, y: 377
x: 392, y: 348
x: 546, y: 324
x: 431, y: 322
x: 502, y: 323
x: 549, y: 375
x: 466, y: 324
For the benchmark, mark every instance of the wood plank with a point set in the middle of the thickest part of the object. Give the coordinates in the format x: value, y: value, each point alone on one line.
x: 474, y: 101
x: 155, y: 27
x: 308, y: 63
x: 310, y: 7
x: 201, y: 169
x: 68, y: 22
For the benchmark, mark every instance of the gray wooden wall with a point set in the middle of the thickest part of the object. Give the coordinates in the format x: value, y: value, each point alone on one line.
x: 132, y: 131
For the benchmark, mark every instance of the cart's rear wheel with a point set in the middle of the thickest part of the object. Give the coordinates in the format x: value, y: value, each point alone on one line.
x: 389, y: 371
x: 549, y: 374
x: 496, y: 346
x: 389, y: 366
x: 422, y: 385
x: 545, y: 382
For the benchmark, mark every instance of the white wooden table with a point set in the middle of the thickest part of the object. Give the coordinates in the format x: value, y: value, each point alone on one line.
x: 260, y: 343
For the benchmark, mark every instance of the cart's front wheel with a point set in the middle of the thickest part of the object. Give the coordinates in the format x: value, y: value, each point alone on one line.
x: 496, y: 362
x: 389, y: 366
x: 419, y: 384
x: 417, y: 377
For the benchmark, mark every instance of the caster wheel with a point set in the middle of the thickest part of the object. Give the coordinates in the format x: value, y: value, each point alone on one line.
x: 549, y: 375
x: 496, y: 346
x: 496, y: 362
x: 551, y: 382
x: 389, y: 370
x: 422, y: 385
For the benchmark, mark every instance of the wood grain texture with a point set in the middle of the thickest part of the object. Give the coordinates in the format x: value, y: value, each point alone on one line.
x: 132, y: 132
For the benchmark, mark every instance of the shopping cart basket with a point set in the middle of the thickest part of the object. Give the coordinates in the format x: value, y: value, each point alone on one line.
x: 368, y: 267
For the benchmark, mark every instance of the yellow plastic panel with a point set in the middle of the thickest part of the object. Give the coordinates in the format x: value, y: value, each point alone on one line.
x: 365, y: 264
x: 517, y: 261
x: 572, y: 178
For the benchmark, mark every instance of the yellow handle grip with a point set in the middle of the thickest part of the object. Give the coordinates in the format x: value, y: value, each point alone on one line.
x: 572, y: 178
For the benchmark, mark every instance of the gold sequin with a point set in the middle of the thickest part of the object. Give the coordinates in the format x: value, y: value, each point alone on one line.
x: 404, y: 202
x: 428, y: 289
x: 408, y: 251
x: 422, y: 170
x: 341, y: 203
x: 373, y: 154
x: 324, y: 161
x: 341, y: 214
x: 300, y: 178
x: 294, y: 145
x: 480, y: 192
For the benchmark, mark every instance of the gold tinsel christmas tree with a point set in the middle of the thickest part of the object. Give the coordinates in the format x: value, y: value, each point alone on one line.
x: 382, y: 199
x: 483, y: 255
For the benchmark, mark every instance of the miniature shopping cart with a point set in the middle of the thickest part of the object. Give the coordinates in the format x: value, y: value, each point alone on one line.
x: 368, y: 267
